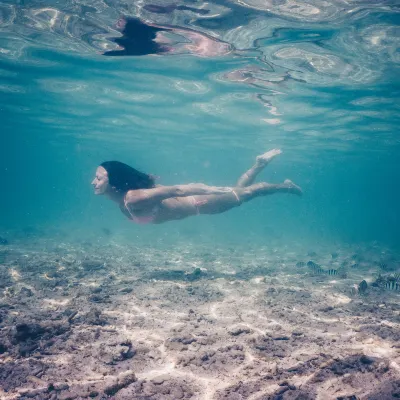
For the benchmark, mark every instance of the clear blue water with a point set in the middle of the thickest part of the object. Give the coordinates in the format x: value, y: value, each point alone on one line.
x: 321, y: 84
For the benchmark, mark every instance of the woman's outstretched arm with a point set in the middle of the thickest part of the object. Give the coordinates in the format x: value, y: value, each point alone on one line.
x: 147, y: 197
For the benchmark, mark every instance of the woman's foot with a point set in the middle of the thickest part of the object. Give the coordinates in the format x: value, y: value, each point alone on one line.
x: 265, y: 158
x: 292, y: 188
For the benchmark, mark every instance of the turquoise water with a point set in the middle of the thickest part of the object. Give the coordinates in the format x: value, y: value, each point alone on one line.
x: 321, y: 84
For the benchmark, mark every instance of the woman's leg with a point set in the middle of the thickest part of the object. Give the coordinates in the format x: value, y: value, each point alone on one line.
x: 261, y: 161
x: 263, y: 189
x: 216, y: 204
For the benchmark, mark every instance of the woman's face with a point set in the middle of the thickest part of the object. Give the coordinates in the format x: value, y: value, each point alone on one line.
x: 100, y: 182
x: 121, y: 23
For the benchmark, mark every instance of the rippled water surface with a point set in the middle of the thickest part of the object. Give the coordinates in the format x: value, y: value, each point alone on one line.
x: 318, y: 79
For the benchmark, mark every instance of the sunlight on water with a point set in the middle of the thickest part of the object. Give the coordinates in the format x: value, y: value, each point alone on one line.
x: 280, y: 59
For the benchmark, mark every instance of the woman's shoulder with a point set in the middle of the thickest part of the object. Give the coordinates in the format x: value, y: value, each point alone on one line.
x: 133, y: 195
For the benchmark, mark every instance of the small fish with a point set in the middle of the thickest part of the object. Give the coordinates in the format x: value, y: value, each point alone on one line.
x: 397, y: 277
x: 392, y: 284
x: 317, y: 270
x: 334, y: 255
x: 379, y: 281
x: 332, y: 272
x: 311, y: 253
x: 312, y: 264
x: 300, y: 264
x: 355, y: 265
x: 3, y: 241
x: 362, y: 287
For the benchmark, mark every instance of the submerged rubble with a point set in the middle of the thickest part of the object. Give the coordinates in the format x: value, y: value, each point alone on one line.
x: 80, y: 321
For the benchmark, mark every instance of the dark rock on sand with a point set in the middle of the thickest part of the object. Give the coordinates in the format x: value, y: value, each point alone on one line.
x: 122, y: 381
x: 5, y: 279
x: 26, y: 292
x: 3, y: 348
x: 326, y: 309
x: 214, y: 360
x: 241, y: 390
x: 127, y: 351
x: 92, y: 265
x: 113, y: 353
x: 23, y: 332
x: 239, y: 331
x: 159, y: 388
x: 125, y: 290
x: 15, y: 374
x: 30, y: 336
x: 184, y: 340
x: 366, y: 360
x: 96, y: 298
x: 267, y: 347
x: 3, y: 313
x: 196, y: 274
x: 94, y: 317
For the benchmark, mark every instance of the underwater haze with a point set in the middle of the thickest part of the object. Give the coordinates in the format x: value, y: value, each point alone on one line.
x: 318, y: 80
x: 285, y: 296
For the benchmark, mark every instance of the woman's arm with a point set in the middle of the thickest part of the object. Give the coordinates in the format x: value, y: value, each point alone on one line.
x: 147, y: 197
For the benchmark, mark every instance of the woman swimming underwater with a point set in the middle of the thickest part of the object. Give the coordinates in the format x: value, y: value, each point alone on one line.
x: 144, y: 202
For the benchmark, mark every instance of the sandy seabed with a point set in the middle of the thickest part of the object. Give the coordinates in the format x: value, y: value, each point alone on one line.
x: 82, y: 321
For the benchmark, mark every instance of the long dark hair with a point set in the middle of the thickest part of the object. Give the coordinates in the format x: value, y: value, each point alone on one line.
x: 122, y: 177
x: 137, y: 39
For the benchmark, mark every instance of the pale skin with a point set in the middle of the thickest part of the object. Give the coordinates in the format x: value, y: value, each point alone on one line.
x: 200, y: 45
x: 181, y: 201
